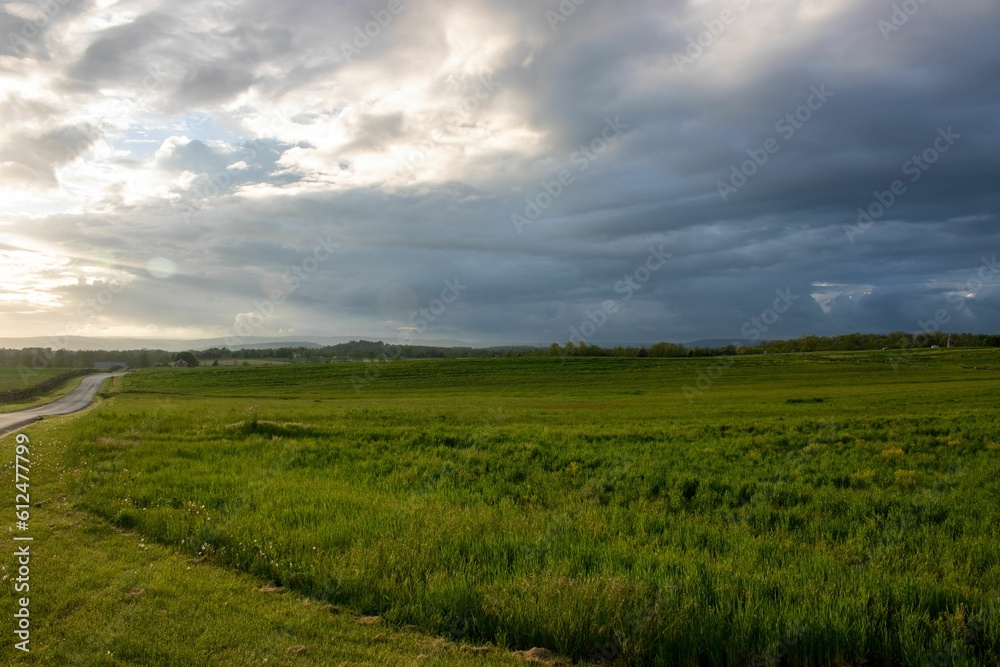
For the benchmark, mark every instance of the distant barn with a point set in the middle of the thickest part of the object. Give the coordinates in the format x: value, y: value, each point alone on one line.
x: 109, y: 365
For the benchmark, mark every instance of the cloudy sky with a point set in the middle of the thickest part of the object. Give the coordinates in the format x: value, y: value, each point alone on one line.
x: 499, y: 171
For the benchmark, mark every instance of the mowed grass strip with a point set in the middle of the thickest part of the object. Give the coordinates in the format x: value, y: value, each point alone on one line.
x: 812, y: 508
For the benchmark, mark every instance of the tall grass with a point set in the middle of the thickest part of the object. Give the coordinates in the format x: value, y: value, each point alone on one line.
x: 586, y: 505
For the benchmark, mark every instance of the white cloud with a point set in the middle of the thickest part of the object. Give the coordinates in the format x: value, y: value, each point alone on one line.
x: 227, y: 140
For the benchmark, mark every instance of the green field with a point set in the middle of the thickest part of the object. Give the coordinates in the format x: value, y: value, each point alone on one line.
x: 23, y: 378
x: 839, y: 508
x: 20, y: 378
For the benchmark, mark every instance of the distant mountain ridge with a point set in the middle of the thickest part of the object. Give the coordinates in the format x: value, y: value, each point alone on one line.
x: 77, y: 343
x: 713, y: 343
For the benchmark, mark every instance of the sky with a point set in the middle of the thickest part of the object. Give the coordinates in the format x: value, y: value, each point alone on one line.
x: 499, y: 171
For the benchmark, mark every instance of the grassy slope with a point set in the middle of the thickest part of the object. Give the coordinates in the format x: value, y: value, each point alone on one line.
x: 104, y: 596
x: 587, y: 505
x: 47, y: 397
x: 19, y: 378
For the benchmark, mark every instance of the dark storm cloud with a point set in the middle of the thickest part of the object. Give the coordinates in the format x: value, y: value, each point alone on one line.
x: 35, y: 157
x: 799, y: 112
x: 123, y: 52
x: 26, y: 29
x: 206, y: 84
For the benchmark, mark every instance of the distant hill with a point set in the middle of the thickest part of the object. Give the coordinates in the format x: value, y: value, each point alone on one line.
x: 713, y: 343
x: 76, y: 343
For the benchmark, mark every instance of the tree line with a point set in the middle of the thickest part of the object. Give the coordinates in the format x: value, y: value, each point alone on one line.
x: 361, y: 350
x: 46, y: 357
x: 896, y: 340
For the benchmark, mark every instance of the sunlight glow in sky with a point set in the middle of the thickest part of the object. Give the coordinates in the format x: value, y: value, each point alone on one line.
x: 187, y: 150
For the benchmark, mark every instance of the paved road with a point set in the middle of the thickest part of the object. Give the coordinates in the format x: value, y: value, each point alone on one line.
x: 74, y: 401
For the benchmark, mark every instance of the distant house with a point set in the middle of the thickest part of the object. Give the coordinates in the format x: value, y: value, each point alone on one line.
x: 110, y: 365
x: 180, y: 363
